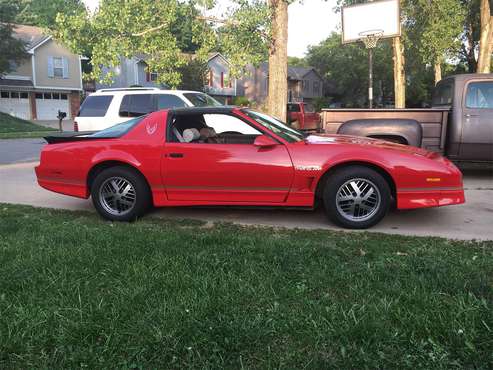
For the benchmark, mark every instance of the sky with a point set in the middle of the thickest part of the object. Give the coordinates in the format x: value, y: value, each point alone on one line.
x: 310, y: 22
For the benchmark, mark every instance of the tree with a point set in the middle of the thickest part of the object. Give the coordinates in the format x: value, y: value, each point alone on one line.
x: 398, y: 60
x: 164, y: 30
x: 346, y: 69
x: 470, y: 37
x: 42, y: 13
x: 277, y: 98
x: 435, y: 30
x: 12, y: 50
x: 486, y: 38
x: 256, y: 28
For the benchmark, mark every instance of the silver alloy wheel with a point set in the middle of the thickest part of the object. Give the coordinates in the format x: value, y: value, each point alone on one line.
x: 358, y: 199
x: 117, y: 196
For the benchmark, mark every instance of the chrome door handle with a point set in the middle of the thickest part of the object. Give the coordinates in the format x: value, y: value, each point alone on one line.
x: 472, y: 115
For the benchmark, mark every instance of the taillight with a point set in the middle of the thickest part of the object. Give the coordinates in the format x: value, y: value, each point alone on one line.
x: 76, y: 126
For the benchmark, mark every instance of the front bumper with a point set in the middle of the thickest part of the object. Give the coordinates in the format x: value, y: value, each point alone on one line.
x: 425, y: 198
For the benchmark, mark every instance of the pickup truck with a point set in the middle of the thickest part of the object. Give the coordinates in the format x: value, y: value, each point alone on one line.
x: 459, y: 124
x: 302, y: 116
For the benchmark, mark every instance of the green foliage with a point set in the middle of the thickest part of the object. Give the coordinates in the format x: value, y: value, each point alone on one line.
x: 346, y: 68
x: 79, y: 292
x: 435, y: 27
x: 193, y: 75
x: 244, y: 37
x: 12, y: 51
x: 162, y: 30
x: 241, y: 101
x: 297, y: 62
x: 42, y: 13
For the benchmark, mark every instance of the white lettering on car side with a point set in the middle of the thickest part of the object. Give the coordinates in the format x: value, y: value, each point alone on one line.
x: 308, y: 168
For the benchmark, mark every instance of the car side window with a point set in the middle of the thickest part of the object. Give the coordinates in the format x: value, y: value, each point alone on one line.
x: 480, y: 95
x: 165, y: 101
x: 211, y: 129
x: 135, y: 105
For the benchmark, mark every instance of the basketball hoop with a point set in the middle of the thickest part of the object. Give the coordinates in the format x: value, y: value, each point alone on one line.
x: 370, y: 38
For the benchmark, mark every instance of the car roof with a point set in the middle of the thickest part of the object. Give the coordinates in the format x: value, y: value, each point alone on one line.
x: 203, y: 110
x: 143, y: 90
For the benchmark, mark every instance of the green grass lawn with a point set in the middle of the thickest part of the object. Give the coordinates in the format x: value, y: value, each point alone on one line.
x: 13, y: 127
x: 76, y: 291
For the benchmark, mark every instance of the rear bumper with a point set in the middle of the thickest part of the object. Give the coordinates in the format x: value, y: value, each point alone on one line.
x: 49, y: 181
x: 424, y: 198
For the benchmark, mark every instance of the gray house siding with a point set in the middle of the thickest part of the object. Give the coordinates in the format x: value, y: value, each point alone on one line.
x: 218, y: 66
x: 131, y: 71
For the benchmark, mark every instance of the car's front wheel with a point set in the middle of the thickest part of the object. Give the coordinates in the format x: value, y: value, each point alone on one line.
x: 356, y: 197
x: 120, y: 194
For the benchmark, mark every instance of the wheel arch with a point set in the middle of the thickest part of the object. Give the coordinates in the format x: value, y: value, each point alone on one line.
x: 333, y: 169
x: 103, y: 165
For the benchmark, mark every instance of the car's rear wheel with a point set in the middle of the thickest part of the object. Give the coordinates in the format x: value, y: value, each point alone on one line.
x: 356, y: 197
x: 120, y: 194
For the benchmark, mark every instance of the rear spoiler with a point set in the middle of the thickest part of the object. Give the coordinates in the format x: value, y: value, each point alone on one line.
x: 64, y: 137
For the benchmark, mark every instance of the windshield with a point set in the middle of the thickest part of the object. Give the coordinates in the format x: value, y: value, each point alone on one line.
x: 279, y: 128
x: 118, y: 130
x: 201, y: 100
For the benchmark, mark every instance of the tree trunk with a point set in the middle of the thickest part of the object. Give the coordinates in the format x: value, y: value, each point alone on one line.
x: 485, y: 39
x: 438, y: 71
x: 399, y: 73
x: 472, y: 63
x: 278, y: 60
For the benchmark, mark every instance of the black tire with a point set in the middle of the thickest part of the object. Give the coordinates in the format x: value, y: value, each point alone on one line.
x: 347, y: 213
x: 141, y: 192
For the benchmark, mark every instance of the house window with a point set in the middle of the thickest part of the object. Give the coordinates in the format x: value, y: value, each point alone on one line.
x: 306, y: 85
x: 151, y: 76
x: 5, y: 94
x: 316, y: 87
x: 58, y: 67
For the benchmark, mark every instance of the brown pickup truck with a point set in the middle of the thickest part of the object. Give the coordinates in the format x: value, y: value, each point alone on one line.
x: 459, y: 124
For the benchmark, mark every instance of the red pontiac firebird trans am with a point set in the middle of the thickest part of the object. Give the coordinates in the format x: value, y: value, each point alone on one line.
x: 233, y: 156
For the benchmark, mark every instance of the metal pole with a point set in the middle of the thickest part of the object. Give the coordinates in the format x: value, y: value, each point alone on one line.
x: 370, y: 77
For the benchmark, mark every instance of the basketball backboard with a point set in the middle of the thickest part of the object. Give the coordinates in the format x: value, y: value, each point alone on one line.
x: 360, y: 20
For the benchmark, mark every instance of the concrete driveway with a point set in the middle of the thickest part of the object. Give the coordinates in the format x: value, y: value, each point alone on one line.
x: 472, y: 220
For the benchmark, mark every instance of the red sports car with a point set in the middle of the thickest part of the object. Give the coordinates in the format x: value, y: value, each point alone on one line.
x: 233, y: 156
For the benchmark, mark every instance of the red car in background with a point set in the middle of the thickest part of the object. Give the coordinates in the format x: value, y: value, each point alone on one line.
x: 233, y: 156
x: 302, y: 116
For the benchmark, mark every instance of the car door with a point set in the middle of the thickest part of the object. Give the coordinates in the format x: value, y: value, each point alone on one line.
x: 477, y: 122
x: 227, y: 172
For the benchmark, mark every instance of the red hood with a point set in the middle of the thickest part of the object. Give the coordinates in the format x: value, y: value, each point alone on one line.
x: 363, y: 141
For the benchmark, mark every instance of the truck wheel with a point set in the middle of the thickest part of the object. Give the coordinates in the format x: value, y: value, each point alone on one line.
x: 356, y: 197
x: 120, y: 194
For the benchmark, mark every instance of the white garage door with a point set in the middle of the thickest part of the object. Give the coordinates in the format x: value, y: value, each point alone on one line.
x: 48, y: 104
x: 15, y: 103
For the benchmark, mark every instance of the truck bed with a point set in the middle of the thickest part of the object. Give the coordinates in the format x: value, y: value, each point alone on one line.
x: 433, y: 121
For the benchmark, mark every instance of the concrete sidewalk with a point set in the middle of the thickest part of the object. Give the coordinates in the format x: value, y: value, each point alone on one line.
x: 473, y: 220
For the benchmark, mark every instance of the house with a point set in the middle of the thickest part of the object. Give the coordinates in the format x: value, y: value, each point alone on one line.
x: 304, y: 84
x: 49, y: 80
x: 220, y: 84
x: 130, y: 72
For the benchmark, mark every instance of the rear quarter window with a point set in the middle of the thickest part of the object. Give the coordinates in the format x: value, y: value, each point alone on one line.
x: 95, y: 106
x: 444, y: 93
x: 165, y: 101
x: 135, y: 105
